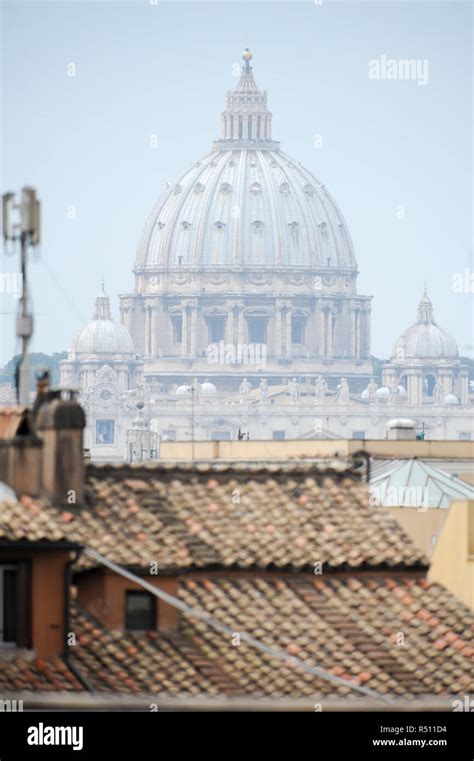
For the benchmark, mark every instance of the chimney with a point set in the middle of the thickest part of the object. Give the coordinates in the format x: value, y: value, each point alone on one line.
x: 20, y: 452
x: 401, y: 429
x: 60, y: 423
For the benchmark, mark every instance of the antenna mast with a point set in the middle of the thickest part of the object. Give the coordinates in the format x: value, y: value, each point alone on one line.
x: 21, y: 222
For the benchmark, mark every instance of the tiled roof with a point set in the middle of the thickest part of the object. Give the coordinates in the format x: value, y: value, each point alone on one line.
x: 129, y: 662
x: 36, y: 675
x: 32, y: 520
x: 222, y: 516
x: 399, y: 638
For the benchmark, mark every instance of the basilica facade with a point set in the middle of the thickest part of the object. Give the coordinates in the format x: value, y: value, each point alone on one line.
x: 245, y: 317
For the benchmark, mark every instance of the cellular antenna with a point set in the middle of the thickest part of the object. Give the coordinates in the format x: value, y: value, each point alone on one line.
x: 21, y: 223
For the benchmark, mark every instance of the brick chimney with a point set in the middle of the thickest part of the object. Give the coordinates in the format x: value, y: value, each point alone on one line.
x: 20, y: 451
x: 60, y: 422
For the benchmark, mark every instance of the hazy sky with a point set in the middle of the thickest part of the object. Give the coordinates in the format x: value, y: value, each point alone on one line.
x: 390, y: 148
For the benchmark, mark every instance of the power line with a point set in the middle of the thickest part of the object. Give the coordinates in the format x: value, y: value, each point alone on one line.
x: 224, y: 629
x: 64, y: 293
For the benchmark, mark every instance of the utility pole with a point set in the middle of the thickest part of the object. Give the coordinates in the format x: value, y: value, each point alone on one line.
x: 21, y: 223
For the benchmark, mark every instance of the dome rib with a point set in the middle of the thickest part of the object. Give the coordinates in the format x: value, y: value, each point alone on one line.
x: 161, y: 248
x: 291, y: 232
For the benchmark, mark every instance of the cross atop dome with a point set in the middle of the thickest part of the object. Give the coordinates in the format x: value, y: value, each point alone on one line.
x: 246, y: 122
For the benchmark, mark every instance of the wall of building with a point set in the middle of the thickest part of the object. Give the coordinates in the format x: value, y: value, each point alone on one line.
x: 283, y: 450
x: 48, y: 615
x: 103, y: 593
x: 422, y: 526
x: 452, y: 563
x: 46, y: 597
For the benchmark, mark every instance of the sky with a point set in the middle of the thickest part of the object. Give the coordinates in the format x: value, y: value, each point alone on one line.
x: 85, y: 86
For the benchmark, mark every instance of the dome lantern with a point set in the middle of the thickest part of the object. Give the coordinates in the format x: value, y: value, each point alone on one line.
x: 102, y: 306
x: 425, y: 310
x: 246, y: 122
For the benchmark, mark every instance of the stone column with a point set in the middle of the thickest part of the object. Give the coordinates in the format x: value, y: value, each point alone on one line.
x: 154, y: 330
x: 414, y: 387
x: 194, y: 330
x: 125, y: 316
x: 288, y: 331
x: 278, y: 331
x: 464, y: 386
x: 329, y: 329
x: 358, y: 332
x: 322, y: 331
x: 184, y: 333
x: 446, y: 377
x: 241, y: 326
x: 147, y: 330
x: 353, y: 331
x: 420, y: 387
x: 229, y: 325
x: 366, y: 352
x: 410, y: 389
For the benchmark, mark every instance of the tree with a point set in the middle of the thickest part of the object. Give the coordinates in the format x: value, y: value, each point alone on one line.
x: 39, y: 362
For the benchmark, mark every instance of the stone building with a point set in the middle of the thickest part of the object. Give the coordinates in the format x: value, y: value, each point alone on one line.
x: 103, y: 364
x: 425, y: 362
x: 245, y: 319
x: 247, y: 249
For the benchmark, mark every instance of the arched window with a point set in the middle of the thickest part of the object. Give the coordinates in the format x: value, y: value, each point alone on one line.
x: 429, y: 382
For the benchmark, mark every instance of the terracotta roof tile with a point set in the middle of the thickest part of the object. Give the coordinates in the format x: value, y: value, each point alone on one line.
x: 348, y: 630
x: 214, y: 515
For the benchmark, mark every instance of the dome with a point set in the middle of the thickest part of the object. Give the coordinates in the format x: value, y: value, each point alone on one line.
x: 451, y: 399
x: 382, y: 393
x: 208, y: 388
x: 183, y: 390
x: 402, y: 391
x: 102, y: 335
x: 246, y: 203
x: 425, y: 339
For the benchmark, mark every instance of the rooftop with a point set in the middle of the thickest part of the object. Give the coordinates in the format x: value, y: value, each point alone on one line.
x: 347, y: 626
x: 221, y: 516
